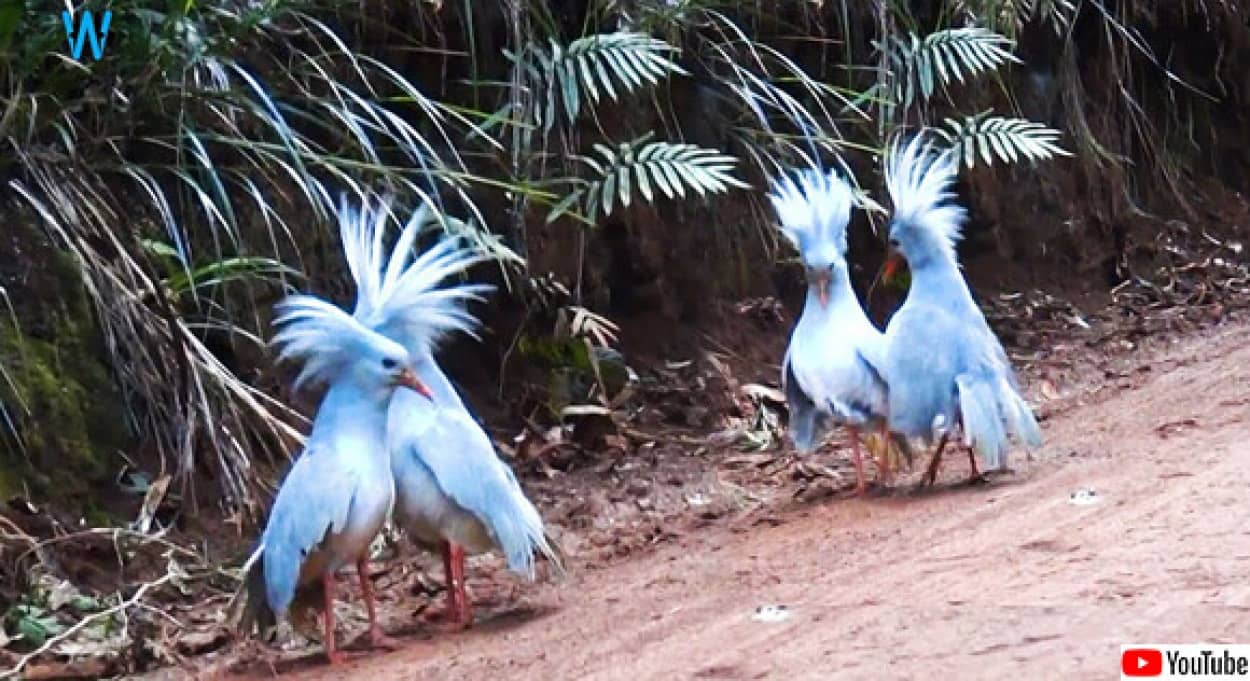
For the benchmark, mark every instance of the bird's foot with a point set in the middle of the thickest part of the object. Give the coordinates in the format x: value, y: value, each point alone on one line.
x: 448, y: 620
x: 380, y: 641
x: 336, y: 657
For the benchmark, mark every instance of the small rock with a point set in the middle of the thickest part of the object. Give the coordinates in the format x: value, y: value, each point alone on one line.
x: 771, y: 613
x: 1084, y: 497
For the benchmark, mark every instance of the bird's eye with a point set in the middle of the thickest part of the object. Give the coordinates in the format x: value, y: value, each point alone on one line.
x: 389, y: 364
x: 894, y: 243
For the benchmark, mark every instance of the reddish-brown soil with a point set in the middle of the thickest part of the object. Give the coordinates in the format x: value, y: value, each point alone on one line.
x: 1006, y: 579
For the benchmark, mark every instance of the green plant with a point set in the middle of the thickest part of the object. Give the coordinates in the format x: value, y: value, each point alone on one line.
x: 917, y: 68
x: 225, y: 131
x: 672, y: 168
x: 1008, y: 139
x: 919, y: 65
x: 593, y: 63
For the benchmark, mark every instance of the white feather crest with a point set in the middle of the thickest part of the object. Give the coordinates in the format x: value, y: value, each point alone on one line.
x: 325, y: 337
x: 814, y: 211
x: 402, y: 299
x: 920, y: 184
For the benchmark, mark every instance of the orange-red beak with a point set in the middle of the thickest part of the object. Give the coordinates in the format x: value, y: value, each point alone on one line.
x: 821, y: 279
x: 409, y: 380
x: 891, y: 265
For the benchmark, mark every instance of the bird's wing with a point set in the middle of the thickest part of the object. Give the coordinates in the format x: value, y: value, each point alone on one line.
x: 1015, y: 415
x: 869, y: 362
x: 989, y: 343
x: 462, y: 459
x: 922, y: 357
x: 806, y: 419
x: 314, y: 500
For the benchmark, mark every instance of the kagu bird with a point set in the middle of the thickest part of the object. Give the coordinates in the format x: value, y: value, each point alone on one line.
x: 453, y: 493
x: 830, y: 369
x: 943, y: 364
x: 340, y: 490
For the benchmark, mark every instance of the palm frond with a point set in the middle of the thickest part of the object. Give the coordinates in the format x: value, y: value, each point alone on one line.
x: 987, y: 137
x: 597, y: 65
x: 647, y: 167
x: 919, y: 65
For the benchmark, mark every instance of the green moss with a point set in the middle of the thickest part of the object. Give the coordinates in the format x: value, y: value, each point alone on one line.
x: 64, y: 410
x: 64, y: 415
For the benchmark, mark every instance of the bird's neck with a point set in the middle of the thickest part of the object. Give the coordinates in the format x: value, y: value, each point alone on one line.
x: 841, y: 298
x: 431, y: 374
x: 938, y: 279
x: 352, y: 416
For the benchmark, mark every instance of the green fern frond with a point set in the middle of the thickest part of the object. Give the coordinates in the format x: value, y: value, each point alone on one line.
x: 1008, y: 139
x: 598, y: 65
x: 946, y: 56
x: 646, y: 167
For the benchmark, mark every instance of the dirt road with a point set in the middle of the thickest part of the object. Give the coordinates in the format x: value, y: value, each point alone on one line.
x: 1007, y: 579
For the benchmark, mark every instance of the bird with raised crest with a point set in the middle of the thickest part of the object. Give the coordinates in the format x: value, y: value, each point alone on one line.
x: 453, y: 493
x: 340, y: 490
x: 830, y: 371
x: 944, y: 365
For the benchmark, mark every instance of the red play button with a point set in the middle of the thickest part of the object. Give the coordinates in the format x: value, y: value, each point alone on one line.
x: 1141, y: 662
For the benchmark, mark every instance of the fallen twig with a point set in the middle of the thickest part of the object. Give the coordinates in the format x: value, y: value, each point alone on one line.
x: 82, y: 624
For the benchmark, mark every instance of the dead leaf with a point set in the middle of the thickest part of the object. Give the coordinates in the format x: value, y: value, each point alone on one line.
x: 762, y: 392
x: 745, y: 460
x: 79, y: 669
x: 202, y: 641
x: 585, y: 410
x: 151, y: 502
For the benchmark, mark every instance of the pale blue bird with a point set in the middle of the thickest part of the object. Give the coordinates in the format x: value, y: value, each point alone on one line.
x: 340, y: 490
x: 453, y: 493
x: 830, y: 369
x: 944, y: 366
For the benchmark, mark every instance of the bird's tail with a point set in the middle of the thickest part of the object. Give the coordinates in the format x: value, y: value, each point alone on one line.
x: 518, y: 528
x: 521, y: 535
x: 248, y: 611
x: 1019, y: 417
x: 991, y: 412
x: 554, y: 553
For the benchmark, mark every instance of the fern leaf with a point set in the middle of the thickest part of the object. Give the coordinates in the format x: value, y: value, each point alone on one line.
x: 989, y: 137
x: 672, y: 168
x: 593, y: 66
x: 943, y: 57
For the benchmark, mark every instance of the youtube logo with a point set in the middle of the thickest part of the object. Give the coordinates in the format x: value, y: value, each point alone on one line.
x: 1141, y: 662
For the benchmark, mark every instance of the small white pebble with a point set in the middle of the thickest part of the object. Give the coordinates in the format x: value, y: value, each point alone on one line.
x: 771, y: 613
x: 1084, y: 497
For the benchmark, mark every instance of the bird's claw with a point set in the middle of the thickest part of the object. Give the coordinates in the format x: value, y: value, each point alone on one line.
x: 449, y: 620
x: 336, y: 658
x: 380, y: 641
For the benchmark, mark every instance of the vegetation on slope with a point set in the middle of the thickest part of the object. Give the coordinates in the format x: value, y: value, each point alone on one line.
x: 608, y: 153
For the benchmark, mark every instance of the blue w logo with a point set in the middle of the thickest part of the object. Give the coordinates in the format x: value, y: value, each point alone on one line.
x: 86, y: 31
